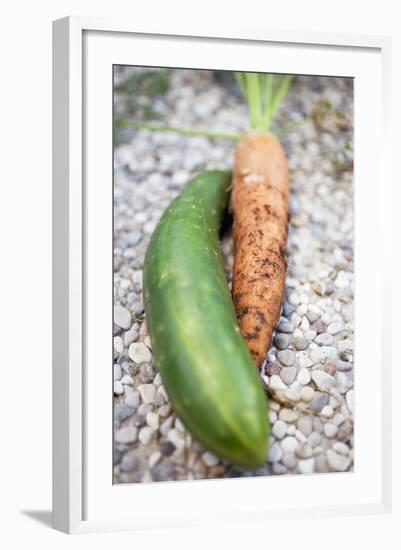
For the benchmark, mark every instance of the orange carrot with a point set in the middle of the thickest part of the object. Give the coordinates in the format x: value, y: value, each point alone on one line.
x: 260, y: 189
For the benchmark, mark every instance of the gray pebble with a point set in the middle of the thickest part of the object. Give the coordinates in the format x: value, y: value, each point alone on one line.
x: 319, y: 401
x: 288, y: 374
x: 301, y: 344
x: 343, y: 366
x: 164, y: 471
x: 122, y: 412
x: 281, y: 340
x: 285, y: 326
x: 279, y: 429
x: 337, y: 462
x: 129, y: 463
x: 167, y: 448
x: 305, y: 424
x: 286, y: 357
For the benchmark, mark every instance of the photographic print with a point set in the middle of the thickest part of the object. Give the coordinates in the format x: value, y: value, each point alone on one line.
x: 232, y: 274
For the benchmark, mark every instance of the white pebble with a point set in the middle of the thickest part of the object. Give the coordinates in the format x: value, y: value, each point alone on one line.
x: 152, y: 420
x: 122, y: 317
x: 341, y: 448
x: 148, y: 392
x: 126, y: 435
x: 154, y: 459
x: 210, y: 459
x: 288, y: 415
x: 118, y: 344
x: 337, y: 462
x: 139, y: 353
x: 335, y: 328
x: 145, y: 435
x: 118, y: 388
x: 276, y: 383
x: 279, y: 429
x: 117, y: 372
x: 323, y: 380
x: 275, y: 453
x: 306, y: 466
x: 289, y: 444
x: 330, y: 430
x: 303, y: 377
x: 307, y: 394
x: 127, y: 380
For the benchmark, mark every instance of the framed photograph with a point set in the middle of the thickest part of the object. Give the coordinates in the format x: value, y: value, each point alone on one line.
x: 219, y: 324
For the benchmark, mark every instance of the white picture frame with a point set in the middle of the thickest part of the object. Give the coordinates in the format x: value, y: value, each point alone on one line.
x: 78, y: 482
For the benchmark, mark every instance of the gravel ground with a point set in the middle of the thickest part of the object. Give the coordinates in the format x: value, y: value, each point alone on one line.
x: 310, y: 364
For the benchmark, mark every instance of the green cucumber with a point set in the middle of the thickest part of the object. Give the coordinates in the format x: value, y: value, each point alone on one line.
x: 204, y: 363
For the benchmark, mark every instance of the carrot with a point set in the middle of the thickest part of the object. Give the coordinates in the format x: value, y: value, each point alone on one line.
x: 260, y: 189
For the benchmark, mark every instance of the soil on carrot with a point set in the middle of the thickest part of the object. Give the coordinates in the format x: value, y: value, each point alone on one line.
x: 310, y: 363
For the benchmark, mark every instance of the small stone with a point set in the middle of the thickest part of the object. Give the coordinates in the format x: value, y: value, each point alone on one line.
x: 176, y: 437
x: 289, y: 444
x: 127, y: 380
x: 122, y: 412
x: 335, y: 328
x: 122, y: 317
x: 292, y: 395
x: 210, y: 459
x: 330, y: 430
x: 305, y: 424
x: 306, y: 466
x: 319, y: 327
x: 337, y: 462
x: 307, y: 393
x: 317, y: 355
x: 148, y: 392
x: 288, y: 309
x: 166, y: 425
x: 146, y: 435
x: 310, y: 335
x: 128, y: 463
x: 117, y: 372
x: 327, y: 411
x: 126, y: 435
x: 321, y: 465
x: 343, y: 366
x: 304, y: 377
x: 118, y: 344
x: 276, y: 383
x: 341, y: 448
x: 154, y: 459
x: 323, y: 380
x: 289, y: 460
x: 164, y: 471
x: 275, y: 453
x: 287, y: 374
x: 319, y: 401
x: 312, y: 316
x: 130, y: 336
x: 314, y: 439
x: 152, y: 420
x: 285, y: 326
x: 164, y: 410
x: 139, y: 421
x: 350, y: 400
x: 133, y: 400
x: 286, y: 357
x: 281, y: 341
x: 278, y: 468
x: 167, y: 448
x: 324, y: 339
x: 118, y: 388
x: 279, y: 429
x: 139, y: 353
x: 288, y: 415
x: 291, y: 429
x: 301, y: 344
